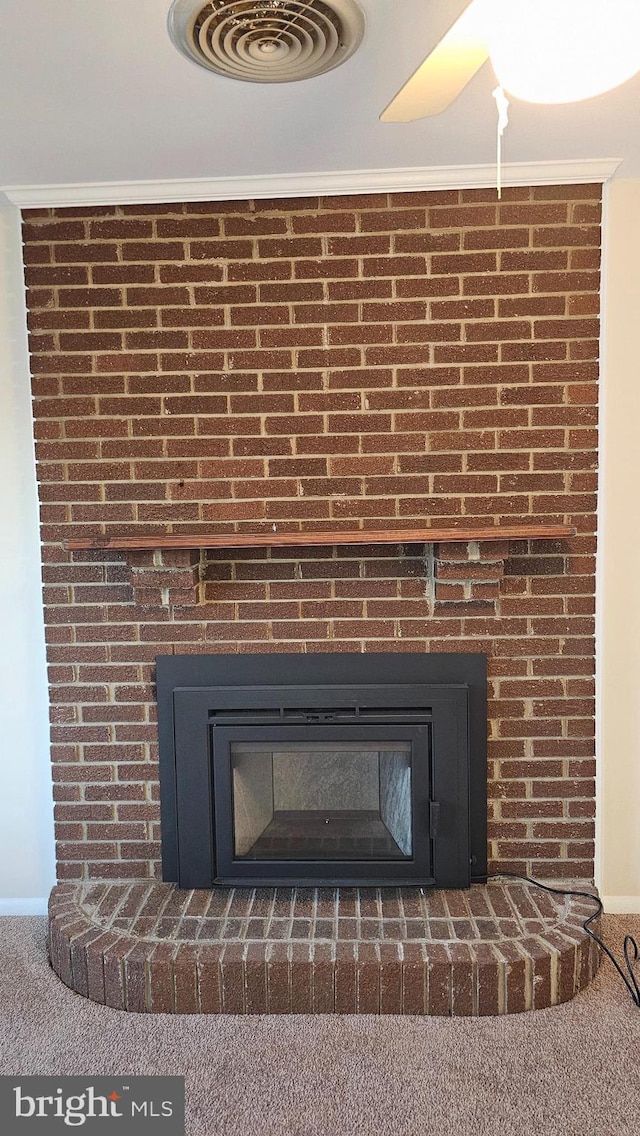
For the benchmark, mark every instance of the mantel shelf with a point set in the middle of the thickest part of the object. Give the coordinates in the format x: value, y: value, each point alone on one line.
x: 306, y: 538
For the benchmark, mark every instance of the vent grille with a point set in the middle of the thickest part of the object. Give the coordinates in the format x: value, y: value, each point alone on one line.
x: 267, y: 41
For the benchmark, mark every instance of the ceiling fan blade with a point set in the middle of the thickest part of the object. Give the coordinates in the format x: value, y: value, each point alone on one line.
x: 445, y: 72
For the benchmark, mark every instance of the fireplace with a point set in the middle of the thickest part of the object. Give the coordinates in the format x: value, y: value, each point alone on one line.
x: 281, y: 367
x: 349, y: 770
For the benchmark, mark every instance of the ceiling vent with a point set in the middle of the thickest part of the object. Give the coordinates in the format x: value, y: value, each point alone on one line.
x: 267, y: 41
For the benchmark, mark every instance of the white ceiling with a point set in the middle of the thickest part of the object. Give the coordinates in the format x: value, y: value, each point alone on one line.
x: 94, y: 91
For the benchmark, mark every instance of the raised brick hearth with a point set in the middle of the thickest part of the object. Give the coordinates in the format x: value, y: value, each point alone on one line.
x: 499, y: 949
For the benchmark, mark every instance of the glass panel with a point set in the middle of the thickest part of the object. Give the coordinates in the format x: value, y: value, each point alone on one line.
x: 322, y: 800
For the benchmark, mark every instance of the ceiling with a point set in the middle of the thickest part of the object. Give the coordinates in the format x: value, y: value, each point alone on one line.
x: 94, y: 91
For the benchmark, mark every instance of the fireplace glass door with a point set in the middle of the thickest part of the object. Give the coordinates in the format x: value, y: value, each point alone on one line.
x: 291, y: 801
x: 322, y: 800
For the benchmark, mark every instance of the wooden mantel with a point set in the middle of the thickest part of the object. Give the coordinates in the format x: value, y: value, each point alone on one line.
x: 295, y: 539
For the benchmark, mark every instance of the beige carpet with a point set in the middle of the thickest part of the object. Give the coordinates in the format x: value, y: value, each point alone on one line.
x: 571, y: 1070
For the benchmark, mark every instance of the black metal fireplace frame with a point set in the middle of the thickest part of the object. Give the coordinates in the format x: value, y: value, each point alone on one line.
x: 444, y: 694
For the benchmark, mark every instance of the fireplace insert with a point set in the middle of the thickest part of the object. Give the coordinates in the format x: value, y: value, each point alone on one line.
x: 323, y: 769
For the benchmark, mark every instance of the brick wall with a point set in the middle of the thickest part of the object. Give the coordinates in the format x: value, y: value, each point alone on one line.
x: 387, y: 360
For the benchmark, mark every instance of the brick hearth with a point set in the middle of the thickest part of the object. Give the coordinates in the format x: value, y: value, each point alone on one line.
x: 499, y: 949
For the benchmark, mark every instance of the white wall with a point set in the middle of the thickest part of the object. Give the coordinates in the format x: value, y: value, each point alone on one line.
x: 27, y: 866
x: 619, y: 576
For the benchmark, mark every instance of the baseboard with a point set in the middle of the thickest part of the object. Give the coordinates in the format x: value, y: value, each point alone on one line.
x: 24, y: 906
x: 621, y: 904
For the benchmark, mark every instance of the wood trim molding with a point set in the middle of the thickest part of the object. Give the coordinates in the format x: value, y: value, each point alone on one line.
x: 621, y: 904
x: 325, y: 183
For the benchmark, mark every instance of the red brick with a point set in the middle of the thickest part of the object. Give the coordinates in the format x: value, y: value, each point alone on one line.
x: 532, y: 452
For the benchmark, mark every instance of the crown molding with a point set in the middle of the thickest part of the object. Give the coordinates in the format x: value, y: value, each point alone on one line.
x: 324, y: 183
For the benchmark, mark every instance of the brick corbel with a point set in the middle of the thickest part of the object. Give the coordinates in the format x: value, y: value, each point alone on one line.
x: 168, y: 577
x: 468, y: 573
x: 458, y: 574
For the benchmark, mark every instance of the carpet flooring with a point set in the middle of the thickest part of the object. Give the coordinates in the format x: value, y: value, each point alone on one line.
x: 565, y: 1071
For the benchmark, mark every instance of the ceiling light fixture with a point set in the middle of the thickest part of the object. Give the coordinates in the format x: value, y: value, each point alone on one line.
x: 542, y: 51
x: 562, y: 51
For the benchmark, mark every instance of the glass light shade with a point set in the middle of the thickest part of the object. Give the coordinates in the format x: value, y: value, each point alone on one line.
x: 561, y: 51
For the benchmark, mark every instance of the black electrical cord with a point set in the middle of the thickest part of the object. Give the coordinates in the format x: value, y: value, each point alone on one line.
x: 630, y: 948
